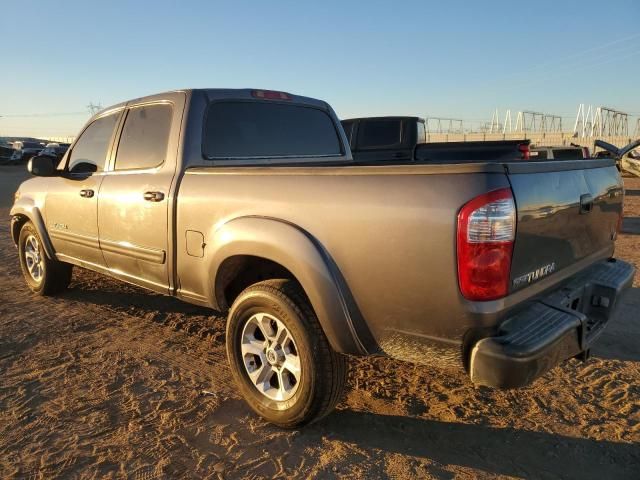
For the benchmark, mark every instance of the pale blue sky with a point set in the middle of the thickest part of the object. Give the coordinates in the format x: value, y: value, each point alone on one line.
x: 451, y: 59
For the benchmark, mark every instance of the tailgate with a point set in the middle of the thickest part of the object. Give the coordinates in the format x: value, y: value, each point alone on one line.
x: 568, y: 212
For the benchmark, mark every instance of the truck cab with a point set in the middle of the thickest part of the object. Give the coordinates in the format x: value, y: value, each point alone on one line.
x: 384, y: 138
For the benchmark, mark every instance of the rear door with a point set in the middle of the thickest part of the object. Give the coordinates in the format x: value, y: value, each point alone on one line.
x: 133, y: 209
x: 568, y: 214
x: 71, y: 207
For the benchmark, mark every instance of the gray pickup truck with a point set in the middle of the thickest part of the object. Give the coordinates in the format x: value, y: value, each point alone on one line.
x: 249, y: 202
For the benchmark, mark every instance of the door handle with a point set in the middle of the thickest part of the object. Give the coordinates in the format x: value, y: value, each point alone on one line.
x: 86, y: 193
x: 153, y: 196
x: 586, y: 203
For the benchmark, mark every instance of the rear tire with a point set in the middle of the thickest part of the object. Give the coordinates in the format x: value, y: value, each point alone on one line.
x: 44, y: 276
x: 279, y: 356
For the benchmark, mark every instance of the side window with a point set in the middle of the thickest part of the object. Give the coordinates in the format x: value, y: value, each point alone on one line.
x: 422, y: 133
x: 143, y: 143
x: 89, y: 154
x: 379, y: 133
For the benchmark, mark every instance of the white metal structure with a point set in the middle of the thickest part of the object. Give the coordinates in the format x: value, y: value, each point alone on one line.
x: 600, y: 121
x: 443, y: 125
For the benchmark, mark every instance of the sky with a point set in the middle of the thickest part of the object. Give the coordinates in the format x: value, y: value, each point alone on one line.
x: 439, y: 59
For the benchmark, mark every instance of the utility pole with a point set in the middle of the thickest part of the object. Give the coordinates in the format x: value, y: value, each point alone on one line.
x: 94, y: 108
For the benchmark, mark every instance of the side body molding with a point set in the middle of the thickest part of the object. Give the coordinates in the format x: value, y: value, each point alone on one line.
x: 25, y: 207
x: 298, y: 252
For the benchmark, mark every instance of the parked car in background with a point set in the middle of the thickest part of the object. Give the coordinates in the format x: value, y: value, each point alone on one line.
x: 627, y: 158
x: 384, y: 138
x: 6, y: 152
x: 571, y: 152
x: 250, y: 202
x: 55, y: 150
x: 395, y: 140
x: 24, y: 150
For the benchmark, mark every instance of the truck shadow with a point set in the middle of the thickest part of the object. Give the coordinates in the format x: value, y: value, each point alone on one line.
x: 621, y: 339
x: 499, y: 451
x: 100, y: 290
x: 631, y: 225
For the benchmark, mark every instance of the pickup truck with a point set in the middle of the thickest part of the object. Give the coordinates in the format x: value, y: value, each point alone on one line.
x: 250, y: 202
x: 627, y: 158
x: 394, y: 140
x: 384, y: 138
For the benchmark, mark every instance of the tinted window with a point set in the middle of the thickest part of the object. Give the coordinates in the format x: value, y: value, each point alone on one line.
x: 378, y: 133
x: 90, y: 151
x: 257, y: 129
x: 422, y: 134
x: 143, y: 143
x: 567, y: 153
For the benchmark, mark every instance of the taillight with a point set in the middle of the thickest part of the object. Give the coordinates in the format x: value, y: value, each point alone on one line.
x: 525, y: 151
x: 270, y: 95
x: 486, y: 231
x: 585, y: 152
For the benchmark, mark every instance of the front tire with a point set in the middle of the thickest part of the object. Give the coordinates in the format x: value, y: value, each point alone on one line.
x: 43, y: 275
x: 279, y: 356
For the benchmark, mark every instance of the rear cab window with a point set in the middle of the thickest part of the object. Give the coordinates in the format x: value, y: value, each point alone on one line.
x: 236, y: 130
x: 568, y: 154
x: 379, y: 133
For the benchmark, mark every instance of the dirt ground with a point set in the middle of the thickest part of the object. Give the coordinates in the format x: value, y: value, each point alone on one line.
x: 111, y: 381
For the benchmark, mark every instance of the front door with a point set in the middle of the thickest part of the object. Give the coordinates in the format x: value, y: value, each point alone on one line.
x: 134, y: 197
x: 71, y: 206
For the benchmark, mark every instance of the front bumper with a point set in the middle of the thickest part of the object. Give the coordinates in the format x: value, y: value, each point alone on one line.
x: 554, y: 328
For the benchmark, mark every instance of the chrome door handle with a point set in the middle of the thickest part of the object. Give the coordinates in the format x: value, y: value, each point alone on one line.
x: 86, y: 193
x: 153, y: 196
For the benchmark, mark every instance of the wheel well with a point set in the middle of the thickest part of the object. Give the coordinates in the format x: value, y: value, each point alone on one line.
x: 16, y: 225
x: 240, y: 271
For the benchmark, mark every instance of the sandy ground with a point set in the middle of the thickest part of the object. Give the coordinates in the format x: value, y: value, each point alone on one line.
x: 110, y: 381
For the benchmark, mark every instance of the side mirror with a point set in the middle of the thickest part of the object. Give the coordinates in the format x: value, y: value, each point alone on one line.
x: 41, y: 166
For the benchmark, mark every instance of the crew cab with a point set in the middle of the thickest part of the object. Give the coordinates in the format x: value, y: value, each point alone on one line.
x: 250, y: 202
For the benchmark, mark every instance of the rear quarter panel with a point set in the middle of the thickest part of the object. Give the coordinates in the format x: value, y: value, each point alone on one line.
x: 390, y: 231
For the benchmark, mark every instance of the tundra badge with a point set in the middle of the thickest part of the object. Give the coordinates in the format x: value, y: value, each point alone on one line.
x: 537, y: 274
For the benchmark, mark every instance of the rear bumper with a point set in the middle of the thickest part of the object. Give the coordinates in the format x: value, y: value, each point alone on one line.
x: 554, y: 328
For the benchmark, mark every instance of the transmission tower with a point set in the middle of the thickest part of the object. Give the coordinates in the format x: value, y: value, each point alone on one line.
x: 601, y: 121
x: 538, y: 122
x: 526, y: 121
x: 94, y: 108
x: 443, y: 125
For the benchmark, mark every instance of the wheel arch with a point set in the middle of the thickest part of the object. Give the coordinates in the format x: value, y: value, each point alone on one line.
x: 23, y: 212
x: 289, y: 252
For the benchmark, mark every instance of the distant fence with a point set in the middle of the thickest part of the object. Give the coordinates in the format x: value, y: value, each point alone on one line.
x: 541, y: 139
x: 60, y: 139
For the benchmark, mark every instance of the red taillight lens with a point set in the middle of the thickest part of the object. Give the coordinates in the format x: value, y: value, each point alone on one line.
x: 585, y: 152
x: 486, y: 231
x: 270, y: 95
x: 525, y: 151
